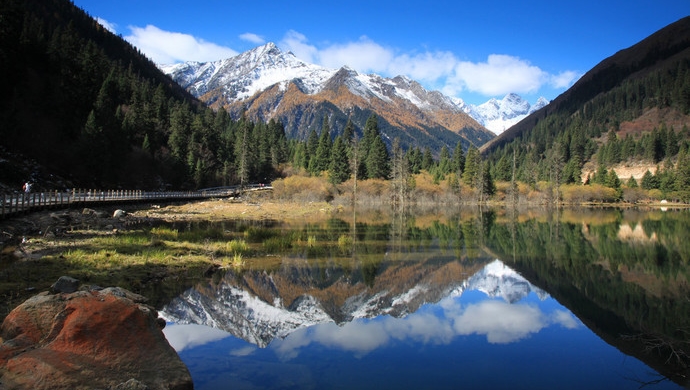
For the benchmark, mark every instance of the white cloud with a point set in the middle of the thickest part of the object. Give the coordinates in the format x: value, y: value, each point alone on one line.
x: 182, y: 337
x: 428, y: 66
x: 498, y: 75
x: 364, y: 55
x: 112, y: 27
x: 297, y: 44
x: 565, y: 319
x: 501, y: 322
x: 166, y: 47
x: 253, y: 38
x: 564, y: 79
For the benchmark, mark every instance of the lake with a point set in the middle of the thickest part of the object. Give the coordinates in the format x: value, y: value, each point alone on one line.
x: 480, y: 299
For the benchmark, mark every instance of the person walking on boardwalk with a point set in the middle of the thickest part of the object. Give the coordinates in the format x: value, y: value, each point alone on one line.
x: 27, y: 189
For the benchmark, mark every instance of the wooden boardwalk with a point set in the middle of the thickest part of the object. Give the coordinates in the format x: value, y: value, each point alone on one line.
x: 11, y: 204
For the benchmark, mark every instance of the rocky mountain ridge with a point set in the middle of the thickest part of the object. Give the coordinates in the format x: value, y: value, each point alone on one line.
x: 266, y: 83
x: 263, y: 309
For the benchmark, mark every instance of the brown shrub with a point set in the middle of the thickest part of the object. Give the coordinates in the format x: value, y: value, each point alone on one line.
x: 303, y: 189
x: 589, y: 193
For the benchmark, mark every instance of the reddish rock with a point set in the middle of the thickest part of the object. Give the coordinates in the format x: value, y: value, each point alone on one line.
x: 87, y: 340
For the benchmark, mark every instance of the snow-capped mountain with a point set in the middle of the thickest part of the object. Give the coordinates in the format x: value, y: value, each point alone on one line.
x: 267, y: 83
x: 259, y: 311
x: 498, y: 115
x: 499, y: 280
x: 244, y: 75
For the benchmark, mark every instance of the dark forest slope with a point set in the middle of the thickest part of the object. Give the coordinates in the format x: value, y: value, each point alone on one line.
x: 79, y: 103
x: 665, y: 50
x: 631, y: 110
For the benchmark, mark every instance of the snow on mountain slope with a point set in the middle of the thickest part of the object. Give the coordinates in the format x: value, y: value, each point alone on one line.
x: 400, y: 100
x: 247, y: 73
x: 245, y: 315
x: 258, y: 69
x: 498, y: 115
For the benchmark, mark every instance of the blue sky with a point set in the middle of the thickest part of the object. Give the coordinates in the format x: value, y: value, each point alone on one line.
x: 472, y: 50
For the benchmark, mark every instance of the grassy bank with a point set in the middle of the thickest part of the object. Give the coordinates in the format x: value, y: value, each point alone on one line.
x: 148, y: 257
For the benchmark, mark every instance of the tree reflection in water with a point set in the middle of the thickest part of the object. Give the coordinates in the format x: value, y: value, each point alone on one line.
x: 413, y: 282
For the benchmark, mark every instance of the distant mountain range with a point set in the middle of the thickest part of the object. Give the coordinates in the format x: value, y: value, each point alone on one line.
x: 269, y: 83
x: 261, y: 308
x: 499, y: 115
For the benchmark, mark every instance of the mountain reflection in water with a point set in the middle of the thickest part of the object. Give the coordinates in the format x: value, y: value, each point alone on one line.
x: 429, y: 318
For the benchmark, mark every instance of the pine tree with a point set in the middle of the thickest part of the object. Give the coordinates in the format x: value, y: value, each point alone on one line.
x: 312, y: 145
x: 242, y: 151
x: 377, y: 162
x: 414, y: 160
x: 502, y: 169
x: 339, y: 167
x: 374, y: 153
x: 444, y: 161
x: 400, y: 174
x: 672, y: 147
x: 427, y: 160
x: 649, y: 181
x: 469, y: 175
x: 458, y: 159
x: 486, y: 187
x: 322, y: 157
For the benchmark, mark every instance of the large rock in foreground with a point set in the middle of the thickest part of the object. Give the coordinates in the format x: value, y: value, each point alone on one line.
x: 88, y: 340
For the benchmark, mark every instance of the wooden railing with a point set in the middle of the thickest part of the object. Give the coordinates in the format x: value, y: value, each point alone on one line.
x: 22, y: 203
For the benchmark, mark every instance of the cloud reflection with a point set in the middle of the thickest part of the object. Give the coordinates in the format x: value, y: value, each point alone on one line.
x: 499, y: 321
x: 182, y: 337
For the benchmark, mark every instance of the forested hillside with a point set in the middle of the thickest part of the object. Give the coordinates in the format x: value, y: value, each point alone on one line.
x: 81, y: 104
x: 632, y: 109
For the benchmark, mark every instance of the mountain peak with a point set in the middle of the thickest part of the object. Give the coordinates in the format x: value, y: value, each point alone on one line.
x: 271, y: 83
x: 498, y: 115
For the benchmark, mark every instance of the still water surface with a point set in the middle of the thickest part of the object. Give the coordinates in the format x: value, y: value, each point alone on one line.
x: 489, y: 300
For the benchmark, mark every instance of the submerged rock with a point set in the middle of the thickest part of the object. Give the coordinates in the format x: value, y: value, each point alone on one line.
x: 88, y: 340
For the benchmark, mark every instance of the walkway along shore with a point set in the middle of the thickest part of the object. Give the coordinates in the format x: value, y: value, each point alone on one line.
x: 23, y: 203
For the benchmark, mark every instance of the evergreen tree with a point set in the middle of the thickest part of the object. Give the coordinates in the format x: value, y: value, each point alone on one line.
x: 180, y: 124
x: 601, y: 175
x: 278, y: 142
x: 672, y: 146
x: 377, y: 162
x: 414, y: 160
x: 312, y: 145
x: 299, y: 157
x: 649, y: 181
x: 400, y: 174
x: 374, y: 153
x: 502, y: 170
x: 472, y: 161
x: 243, y: 151
x: 339, y: 167
x: 427, y: 160
x: 683, y: 171
x: 612, y: 180
x: 458, y: 159
x: 322, y: 157
x: 444, y: 161
x: 486, y: 187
